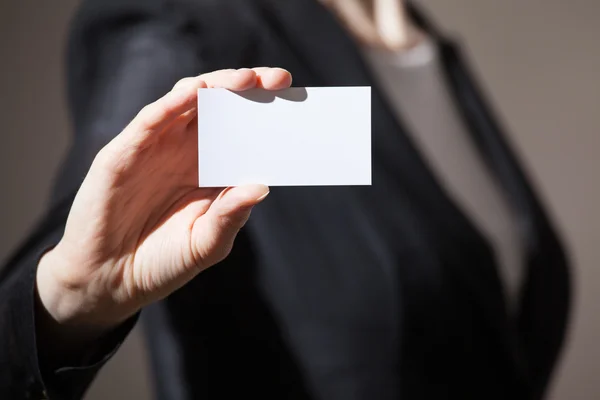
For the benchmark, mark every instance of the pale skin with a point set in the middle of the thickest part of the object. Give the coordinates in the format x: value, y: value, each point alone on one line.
x: 140, y: 227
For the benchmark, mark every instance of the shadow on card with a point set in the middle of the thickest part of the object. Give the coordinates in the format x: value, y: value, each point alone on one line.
x: 268, y: 96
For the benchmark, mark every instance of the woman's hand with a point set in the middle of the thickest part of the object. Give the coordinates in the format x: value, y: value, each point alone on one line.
x: 140, y: 227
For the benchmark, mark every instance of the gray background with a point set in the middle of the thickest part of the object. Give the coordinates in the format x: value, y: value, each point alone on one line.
x: 538, y: 58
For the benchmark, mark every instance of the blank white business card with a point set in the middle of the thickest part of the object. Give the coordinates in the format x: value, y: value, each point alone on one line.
x: 292, y: 137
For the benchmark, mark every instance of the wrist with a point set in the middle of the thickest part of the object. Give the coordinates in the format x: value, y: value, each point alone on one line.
x: 69, y: 307
x: 70, y: 330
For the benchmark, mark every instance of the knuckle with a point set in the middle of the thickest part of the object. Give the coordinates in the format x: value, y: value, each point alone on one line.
x: 216, y: 75
x: 145, y: 112
x: 105, y: 162
x: 182, y: 82
x: 102, y: 158
x: 233, y: 223
x: 143, y: 119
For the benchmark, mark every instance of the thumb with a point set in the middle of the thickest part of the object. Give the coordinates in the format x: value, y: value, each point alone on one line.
x: 214, y: 232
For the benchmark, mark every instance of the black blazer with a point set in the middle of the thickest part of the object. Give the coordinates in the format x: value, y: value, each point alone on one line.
x: 379, y: 292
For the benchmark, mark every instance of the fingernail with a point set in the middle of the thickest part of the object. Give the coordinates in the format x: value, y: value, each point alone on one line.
x: 263, y: 196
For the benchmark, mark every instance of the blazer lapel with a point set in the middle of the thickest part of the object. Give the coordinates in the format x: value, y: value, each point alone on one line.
x: 332, y: 57
x: 546, y: 291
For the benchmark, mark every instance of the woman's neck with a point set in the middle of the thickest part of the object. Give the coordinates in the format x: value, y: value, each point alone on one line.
x: 377, y: 23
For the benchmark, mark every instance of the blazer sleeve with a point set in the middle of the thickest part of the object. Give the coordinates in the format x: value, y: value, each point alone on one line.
x: 121, y: 55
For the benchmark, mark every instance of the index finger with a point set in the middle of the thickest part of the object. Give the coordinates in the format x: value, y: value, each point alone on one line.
x: 162, y: 112
x: 241, y: 79
x: 272, y: 78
